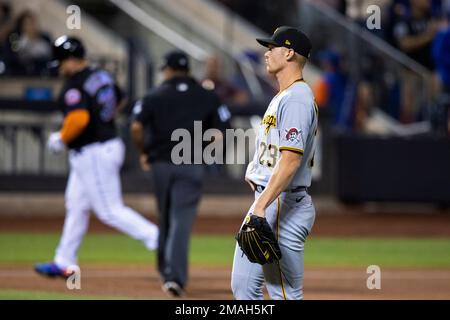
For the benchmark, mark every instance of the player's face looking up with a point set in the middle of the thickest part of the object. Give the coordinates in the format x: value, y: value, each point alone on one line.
x: 277, y: 57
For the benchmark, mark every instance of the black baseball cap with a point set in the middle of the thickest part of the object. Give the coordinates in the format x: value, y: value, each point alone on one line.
x: 291, y: 38
x: 177, y: 60
x: 66, y: 47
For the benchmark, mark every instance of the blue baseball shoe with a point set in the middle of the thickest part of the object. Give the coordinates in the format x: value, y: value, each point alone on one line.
x: 50, y: 269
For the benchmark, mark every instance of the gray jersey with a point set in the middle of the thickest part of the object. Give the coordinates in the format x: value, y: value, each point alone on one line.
x: 290, y: 123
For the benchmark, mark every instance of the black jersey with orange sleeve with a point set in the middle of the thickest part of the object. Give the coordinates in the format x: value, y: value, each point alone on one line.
x: 94, y: 90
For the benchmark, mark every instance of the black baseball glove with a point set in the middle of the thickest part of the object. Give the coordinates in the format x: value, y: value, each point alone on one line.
x: 257, y: 240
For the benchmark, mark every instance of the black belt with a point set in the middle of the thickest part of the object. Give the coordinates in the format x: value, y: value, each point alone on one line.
x: 260, y: 189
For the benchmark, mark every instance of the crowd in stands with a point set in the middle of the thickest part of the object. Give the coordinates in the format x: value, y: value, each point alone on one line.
x: 25, y: 49
x: 228, y: 90
x: 419, y: 29
x: 265, y: 14
x: 243, y: 86
x: 409, y: 25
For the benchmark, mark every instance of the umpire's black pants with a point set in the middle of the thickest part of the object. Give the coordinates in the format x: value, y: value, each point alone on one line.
x: 178, y: 190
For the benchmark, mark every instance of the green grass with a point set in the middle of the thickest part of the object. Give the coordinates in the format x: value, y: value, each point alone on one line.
x: 102, y: 249
x: 22, y: 248
x: 362, y: 252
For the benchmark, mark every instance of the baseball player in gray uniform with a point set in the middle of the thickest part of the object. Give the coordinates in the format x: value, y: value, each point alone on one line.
x: 281, y: 171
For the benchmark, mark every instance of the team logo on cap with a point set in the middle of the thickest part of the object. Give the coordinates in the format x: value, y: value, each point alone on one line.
x: 182, y: 62
x: 287, y: 42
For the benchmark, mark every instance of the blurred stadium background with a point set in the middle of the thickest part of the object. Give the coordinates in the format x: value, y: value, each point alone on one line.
x: 382, y: 180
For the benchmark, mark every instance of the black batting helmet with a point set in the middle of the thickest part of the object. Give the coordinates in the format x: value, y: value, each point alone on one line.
x: 66, y: 47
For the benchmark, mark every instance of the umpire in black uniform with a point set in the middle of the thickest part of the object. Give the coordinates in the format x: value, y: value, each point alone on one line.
x: 175, y: 104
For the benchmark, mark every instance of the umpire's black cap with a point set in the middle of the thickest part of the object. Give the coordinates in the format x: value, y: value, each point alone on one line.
x: 66, y: 47
x: 291, y: 38
x: 176, y: 60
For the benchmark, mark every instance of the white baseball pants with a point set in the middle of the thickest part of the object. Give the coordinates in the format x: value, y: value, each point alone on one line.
x: 94, y: 184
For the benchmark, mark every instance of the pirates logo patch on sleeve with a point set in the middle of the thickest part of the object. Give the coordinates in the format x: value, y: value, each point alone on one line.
x: 292, y: 134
